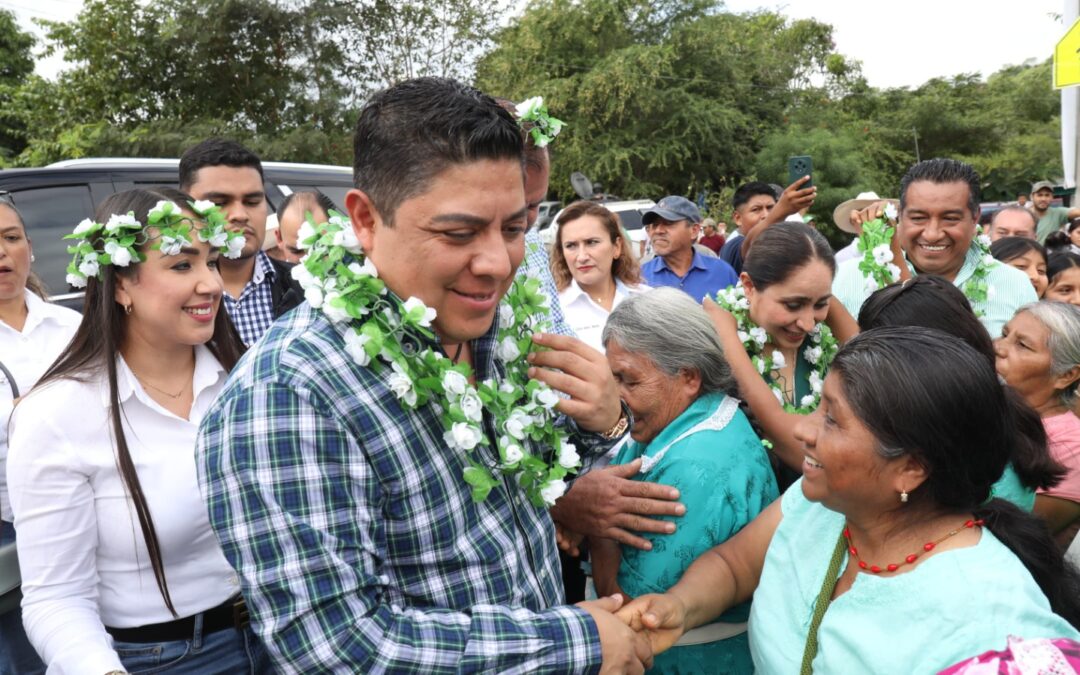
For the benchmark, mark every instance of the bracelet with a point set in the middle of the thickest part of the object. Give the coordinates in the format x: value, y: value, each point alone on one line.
x: 620, y: 427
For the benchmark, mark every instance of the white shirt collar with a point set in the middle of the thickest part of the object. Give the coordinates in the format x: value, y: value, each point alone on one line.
x: 208, y: 371
x: 38, y: 312
x: 575, y: 293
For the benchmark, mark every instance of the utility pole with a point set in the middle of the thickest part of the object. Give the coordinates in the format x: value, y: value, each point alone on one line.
x: 915, y: 132
x: 1070, y: 109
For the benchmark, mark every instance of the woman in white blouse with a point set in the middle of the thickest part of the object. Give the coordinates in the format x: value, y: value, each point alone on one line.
x: 33, y: 332
x: 593, y: 268
x: 121, y: 571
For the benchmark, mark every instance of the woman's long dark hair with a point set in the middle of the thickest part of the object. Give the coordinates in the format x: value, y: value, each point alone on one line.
x: 99, y: 340
x: 931, y: 301
x: 967, y: 428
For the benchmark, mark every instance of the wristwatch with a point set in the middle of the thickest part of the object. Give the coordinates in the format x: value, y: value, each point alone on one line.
x: 620, y: 427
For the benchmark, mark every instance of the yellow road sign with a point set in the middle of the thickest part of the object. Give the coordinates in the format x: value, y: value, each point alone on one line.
x: 1067, y: 59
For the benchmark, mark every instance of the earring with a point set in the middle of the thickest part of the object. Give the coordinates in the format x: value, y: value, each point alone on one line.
x: 32, y: 258
x: 128, y: 309
x: 903, y: 496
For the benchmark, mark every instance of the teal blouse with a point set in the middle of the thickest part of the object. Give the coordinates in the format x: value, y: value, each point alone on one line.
x: 951, y: 606
x: 711, y: 454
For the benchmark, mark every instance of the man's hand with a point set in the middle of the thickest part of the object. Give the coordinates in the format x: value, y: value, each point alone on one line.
x: 872, y: 212
x: 661, y: 617
x: 623, y: 650
x: 794, y: 199
x: 606, y: 503
x: 586, y: 378
x: 568, y: 540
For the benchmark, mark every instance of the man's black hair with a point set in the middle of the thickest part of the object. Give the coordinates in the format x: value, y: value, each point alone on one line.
x: 408, y: 134
x: 215, y: 152
x: 747, y: 191
x: 939, y: 171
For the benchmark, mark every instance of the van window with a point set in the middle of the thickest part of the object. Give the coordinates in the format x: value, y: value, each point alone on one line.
x: 50, y: 213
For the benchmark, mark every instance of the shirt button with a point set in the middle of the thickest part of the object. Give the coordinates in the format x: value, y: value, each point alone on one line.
x: 234, y: 580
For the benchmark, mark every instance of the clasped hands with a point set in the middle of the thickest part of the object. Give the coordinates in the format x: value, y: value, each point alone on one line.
x: 632, y: 633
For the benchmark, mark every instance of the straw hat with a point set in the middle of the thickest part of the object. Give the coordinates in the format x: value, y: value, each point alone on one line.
x: 842, y: 214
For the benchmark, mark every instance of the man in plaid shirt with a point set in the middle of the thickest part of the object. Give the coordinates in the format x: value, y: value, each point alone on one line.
x: 258, y: 289
x: 357, y: 541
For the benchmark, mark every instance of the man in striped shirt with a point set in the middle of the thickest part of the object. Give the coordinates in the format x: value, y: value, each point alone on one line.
x: 939, y: 207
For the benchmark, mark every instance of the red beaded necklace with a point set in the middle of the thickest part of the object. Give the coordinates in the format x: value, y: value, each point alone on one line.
x: 910, y: 560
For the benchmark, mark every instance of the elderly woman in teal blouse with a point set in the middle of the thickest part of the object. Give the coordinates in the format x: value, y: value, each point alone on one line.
x: 690, y: 434
x: 886, y: 556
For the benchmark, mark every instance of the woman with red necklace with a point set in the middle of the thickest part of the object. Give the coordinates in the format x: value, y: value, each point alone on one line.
x: 888, y: 555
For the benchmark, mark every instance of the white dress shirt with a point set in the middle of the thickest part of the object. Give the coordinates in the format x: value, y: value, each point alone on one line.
x: 586, y: 317
x: 84, y: 561
x: 28, y: 354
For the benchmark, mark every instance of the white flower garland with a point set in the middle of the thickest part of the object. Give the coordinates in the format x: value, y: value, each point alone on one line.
x: 338, y: 279
x: 879, y: 271
x: 117, y: 242
x: 819, y: 354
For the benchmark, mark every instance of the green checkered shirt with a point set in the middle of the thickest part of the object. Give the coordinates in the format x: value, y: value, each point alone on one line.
x: 358, y: 544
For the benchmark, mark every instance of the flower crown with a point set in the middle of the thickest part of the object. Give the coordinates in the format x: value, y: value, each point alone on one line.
x: 544, y: 127
x: 118, y: 240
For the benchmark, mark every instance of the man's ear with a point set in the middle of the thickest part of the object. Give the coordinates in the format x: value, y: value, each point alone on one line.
x: 364, y: 216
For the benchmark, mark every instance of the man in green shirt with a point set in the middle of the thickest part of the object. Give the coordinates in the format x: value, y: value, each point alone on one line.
x: 1051, y: 218
x: 939, y: 206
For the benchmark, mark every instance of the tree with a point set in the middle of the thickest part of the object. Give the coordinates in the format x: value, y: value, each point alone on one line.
x: 16, y: 65
x: 660, y: 98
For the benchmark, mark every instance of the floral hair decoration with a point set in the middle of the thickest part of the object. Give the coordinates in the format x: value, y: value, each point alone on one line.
x: 544, y: 128
x: 117, y: 241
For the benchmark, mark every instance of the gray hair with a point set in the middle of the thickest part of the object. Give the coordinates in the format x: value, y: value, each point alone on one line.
x: 673, y: 332
x: 1063, y: 322
x: 1019, y: 209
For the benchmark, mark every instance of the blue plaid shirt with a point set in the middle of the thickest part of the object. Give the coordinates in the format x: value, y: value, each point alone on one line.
x: 253, y: 312
x: 538, y: 264
x: 357, y: 541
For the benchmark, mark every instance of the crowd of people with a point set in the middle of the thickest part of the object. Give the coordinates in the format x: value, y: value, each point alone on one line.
x: 404, y: 436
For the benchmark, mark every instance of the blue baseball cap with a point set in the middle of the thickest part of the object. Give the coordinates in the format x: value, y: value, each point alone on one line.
x: 672, y: 208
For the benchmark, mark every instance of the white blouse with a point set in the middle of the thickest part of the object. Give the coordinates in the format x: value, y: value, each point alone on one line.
x: 28, y: 354
x: 83, y: 558
x: 586, y: 317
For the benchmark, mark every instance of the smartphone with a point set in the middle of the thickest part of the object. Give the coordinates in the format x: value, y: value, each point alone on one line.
x: 800, y: 166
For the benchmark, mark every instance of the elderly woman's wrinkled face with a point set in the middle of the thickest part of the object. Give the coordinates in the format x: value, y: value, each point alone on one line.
x: 842, y: 468
x: 790, y: 309
x: 1023, y: 361
x: 654, y: 397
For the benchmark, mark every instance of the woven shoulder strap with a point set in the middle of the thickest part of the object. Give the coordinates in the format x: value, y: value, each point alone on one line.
x: 823, y: 599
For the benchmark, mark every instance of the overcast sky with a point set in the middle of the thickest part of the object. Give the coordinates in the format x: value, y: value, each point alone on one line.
x: 900, y: 42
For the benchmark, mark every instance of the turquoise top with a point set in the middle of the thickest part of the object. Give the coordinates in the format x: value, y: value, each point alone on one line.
x: 1011, y: 489
x: 951, y: 606
x: 710, y: 453
x: 1010, y: 289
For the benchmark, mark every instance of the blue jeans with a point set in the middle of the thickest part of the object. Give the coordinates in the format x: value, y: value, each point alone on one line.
x: 17, y: 656
x: 227, y: 651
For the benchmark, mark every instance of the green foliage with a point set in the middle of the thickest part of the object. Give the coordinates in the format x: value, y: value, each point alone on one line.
x: 668, y: 96
x: 658, y: 98
x: 841, y: 169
